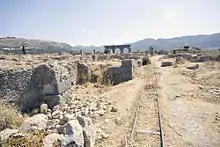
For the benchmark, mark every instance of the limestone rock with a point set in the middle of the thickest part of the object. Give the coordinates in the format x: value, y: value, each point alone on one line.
x: 57, y: 114
x: 51, y: 138
x: 118, y: 121
x: 6, y: 133
x: 74, y: 135
x: 36, y: 122
x: 100, y: 112
x: 101, y: 134
x: 193, y: 67
x: 89, y: 131
x: 43, y: 108
x: 114, y: 109
x: 166, y: 63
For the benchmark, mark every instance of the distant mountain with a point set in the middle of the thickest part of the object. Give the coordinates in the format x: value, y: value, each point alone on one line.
x: 200, y: 41
x: 12, y: 43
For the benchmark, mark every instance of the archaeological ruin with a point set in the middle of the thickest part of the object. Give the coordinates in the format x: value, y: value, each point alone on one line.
x: 112, y: 48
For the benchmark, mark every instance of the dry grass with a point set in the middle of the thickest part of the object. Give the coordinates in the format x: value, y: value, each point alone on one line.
x: 99, y: 76
x: 9, y: 116
x: 30, y: 140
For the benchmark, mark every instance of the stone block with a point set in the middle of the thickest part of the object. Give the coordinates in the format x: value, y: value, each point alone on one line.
x: 51, y: 100
x: 64, y: 86
x: 50, y: 89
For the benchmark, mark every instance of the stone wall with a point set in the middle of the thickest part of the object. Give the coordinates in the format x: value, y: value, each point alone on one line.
x: 84, y: 73
x: 116, y: 75
x: 28, y: 87
x: 14, y: 83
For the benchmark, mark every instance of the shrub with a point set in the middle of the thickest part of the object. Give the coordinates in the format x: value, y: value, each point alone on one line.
x: 214, y: 55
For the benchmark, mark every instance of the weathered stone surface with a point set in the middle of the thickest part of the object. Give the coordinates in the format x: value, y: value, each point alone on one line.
x: 193, y: 67
x: 84, y: 73
x: 6, y: 133
x: 74, y: 135
x: 100, y: 112
x: 50, y: 89
x: 43, y: 108
x: 166, y: 63
x: 34, y: 84
x: 57, y: 114
x: 51, y: 100
x: 51, y: 138
x: 89, y: 131
x: 65, y: 85
x: 123, y: 73
x: 139, y: 62
x: 36, y: 122
x: 114, y: 109
x: 118, y: 121
x: 115, y: 56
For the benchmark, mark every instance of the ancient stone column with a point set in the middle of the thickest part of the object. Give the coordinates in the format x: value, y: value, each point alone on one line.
x: 122, y: 50
x: 129, y: 50
x: 113, y: 50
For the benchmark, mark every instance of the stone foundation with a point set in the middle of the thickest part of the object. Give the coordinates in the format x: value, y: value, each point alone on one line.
x: 116, y: 75
x: 28, y: 87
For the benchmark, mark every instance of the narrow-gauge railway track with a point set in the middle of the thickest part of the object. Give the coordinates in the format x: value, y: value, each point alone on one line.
x: 146, y: 128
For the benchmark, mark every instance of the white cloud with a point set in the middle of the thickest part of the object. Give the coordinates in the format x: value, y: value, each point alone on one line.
x: 84, y: 31
x: 91, y: 31
x: 170, y: 15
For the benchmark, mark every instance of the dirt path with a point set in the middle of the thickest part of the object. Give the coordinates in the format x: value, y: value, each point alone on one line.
x: 126, y: 96
x: 187, y: 121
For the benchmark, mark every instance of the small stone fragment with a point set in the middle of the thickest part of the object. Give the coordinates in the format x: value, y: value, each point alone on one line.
x: 114, y: 109
x: 43, y: 108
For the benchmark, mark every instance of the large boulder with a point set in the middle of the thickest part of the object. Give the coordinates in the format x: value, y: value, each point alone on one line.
x: 6, y: 133
x: 89, y: 131
x: 34, y: 123
x: 74, y: 135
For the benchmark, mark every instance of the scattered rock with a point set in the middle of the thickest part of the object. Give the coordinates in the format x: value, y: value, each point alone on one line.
x: 100, y: 112
x: 57, y: 114
x: 17, y: 135
x: 106, y: 120
x: 118, y: 121
x: 55, y: 108
x: 89, y: 131
x: 36, y: 122
x: 178, y: 95
x: 166, y: 63
x: 6, y: 133
x: 51, y: 138
x: 200, y: 87
x: 104, y: 135
x: 68, y: 117
x: 101, y: 134
x: 114, y: 109
x: 193, y: 67
x: 44, y: 108
x: 74, y: 134
x: 217, y: 116
x: 60, y: 129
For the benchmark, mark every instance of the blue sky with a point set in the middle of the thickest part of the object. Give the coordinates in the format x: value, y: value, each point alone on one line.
x: 99, y: 22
